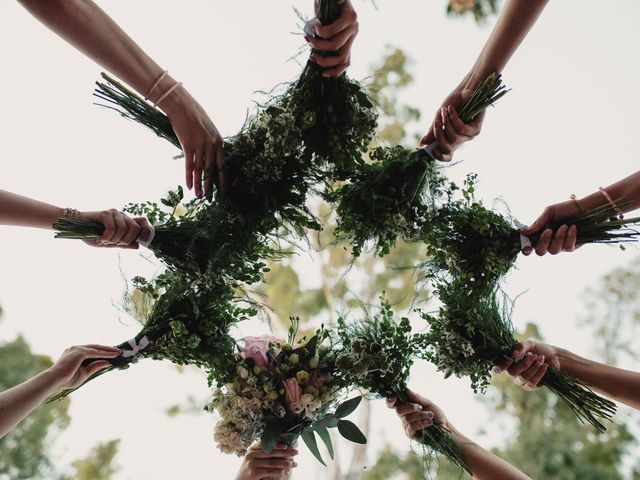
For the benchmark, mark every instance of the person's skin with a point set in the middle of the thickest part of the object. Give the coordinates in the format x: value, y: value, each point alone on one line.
x: 337, y: 37
x: 68, y: 372
x: 447, y: 129
x: 258, y: 464
x: 120, y: 230
x: 625, y: 193
x: 89, y: 29
x: 421, y: 413
x: 532, y: 358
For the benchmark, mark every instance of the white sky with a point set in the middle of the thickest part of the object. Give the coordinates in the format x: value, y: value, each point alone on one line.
x: 567, y: 127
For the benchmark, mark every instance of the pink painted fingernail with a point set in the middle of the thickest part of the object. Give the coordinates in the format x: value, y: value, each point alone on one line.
x: 541, y: 359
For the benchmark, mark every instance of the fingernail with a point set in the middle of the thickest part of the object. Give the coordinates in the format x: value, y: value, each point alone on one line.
x: 295, y: 464
x: 449, y: 108
x: 313, y: 57
x: 429, y: 423
x: 541, y: 359
x: 430, y: 414
x: 307, y: 38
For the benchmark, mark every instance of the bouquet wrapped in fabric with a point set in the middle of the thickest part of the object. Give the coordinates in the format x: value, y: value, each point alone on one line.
x: 472, y: 332
x: 376, y: 353
x: 280, y: 392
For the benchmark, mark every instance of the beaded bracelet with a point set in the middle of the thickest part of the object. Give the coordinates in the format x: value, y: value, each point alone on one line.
x: 611, y: 202
x: 70, y: 213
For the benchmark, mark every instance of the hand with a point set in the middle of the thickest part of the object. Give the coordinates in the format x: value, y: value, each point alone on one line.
x: 119, y: 229
x: 337, y: 37
x: 69, y: 372
x: 448, y: 131
x: 418, y: 414
x: 201, y: 142
x: 530, y: 362
x: 258, y: 464
x: 564, y: 238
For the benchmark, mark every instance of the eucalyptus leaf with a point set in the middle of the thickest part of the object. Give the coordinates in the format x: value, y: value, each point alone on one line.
x: 346, y: 408
x: 323, y: 433
x: 351, y: 432
x: 309, y: 439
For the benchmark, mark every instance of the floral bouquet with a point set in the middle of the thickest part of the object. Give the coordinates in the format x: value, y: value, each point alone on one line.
x: 376, y: 354
x: 472, y: 332
x: 281, y: 392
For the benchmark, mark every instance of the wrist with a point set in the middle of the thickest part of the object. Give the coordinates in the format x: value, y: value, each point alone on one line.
x: 53, y: 378
x: 592, y: 201
x: 175, y: 101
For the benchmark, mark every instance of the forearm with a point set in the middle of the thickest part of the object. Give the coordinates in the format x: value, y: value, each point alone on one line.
x: 514, y: 22
x: 483, y: 464
x: 19, y: 401
x: 89, y: 29
x: 20, y: 211
x: 616, y: 383
x: 625, y: 193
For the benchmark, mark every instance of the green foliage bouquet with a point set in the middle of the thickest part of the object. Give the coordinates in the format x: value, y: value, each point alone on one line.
x: 376, y: 354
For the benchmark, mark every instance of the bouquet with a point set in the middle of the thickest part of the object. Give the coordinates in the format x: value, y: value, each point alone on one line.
x: 472, y: 332
x: 189, y: 323
x: 280, y: 392
x: 376, y: 354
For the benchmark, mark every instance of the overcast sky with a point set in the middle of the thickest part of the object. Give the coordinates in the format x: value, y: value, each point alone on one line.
x: 567, y: 126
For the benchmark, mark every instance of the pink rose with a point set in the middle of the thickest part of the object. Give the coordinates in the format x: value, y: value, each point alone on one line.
x: 318, y: 380
x: 292, y: 391
x: 257, y: 349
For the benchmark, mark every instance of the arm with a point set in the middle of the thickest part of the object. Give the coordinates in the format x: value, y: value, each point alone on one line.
x: 68, y: 372
x: 514, y: 22
x: 85, y: 26
x: 120, y: 230
x: 625, y: 193
x: 422, y: 413
x: 258, y: 464
x: 532, y: 357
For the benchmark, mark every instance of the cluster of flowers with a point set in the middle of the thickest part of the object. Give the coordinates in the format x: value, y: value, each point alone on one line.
x: 280, y: 392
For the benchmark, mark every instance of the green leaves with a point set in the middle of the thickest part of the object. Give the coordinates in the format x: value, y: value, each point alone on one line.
x: 334, y: 420
x: 346, y: 408
x: 350, y: 431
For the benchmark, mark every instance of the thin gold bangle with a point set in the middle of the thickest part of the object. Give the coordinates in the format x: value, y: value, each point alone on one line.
x: 155, y: 85
x: 573, y: 197
x: 611, y: 202
x: 169, y: 92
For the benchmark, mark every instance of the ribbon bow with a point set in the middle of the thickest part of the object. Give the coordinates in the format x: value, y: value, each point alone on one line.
x: 136, y: 348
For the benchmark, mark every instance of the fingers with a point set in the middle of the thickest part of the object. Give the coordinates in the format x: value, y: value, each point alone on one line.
x: 132, y: 231
x: 534, y: 381
x: 146, y: 230
x: 335, y: 42
x: 198, y: 166
x: 104, y: 348
x: 275, y: 454
x: 444, y: 149
x: 348, y: 18
x: 407, y: 409
x: 542, y: 245
x: 558, y: 240
x: 417, y: 422
x: 542, y: 221
x: 219, y: 153
x: 107, y: 219
x: 570, y: 240
x: 209, y: 169
x: 522, y: 365
x: 96, y: 366
x: 188, y: 167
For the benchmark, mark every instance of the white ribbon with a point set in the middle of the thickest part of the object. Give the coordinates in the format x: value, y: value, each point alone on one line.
x: 147, y: 242
x: 525, y: 242
x: 430, y: 148
x: 136, y: 348
x: 310, y: 27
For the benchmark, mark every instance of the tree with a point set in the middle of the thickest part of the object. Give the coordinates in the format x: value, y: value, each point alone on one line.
x: 480, y: 9
x: 24, y: 452
x: 548, y: 440
x: 98, y: 465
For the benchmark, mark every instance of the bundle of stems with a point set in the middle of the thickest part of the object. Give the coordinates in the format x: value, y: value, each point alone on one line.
x: 406, y: 184
x: 472, y: 332
x: 376, y: 354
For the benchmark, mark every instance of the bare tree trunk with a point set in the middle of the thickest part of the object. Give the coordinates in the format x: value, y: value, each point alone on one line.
x: 356, y: 469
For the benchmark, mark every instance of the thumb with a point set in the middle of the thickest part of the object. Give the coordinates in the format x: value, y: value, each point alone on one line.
x: 96, y: 366
x: 539, y: 224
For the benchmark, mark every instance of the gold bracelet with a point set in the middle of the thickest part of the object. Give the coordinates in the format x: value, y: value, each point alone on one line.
x: 168, y: 92
x: 573, y: 197
x: 155, y: 85
x: 611, y: 202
